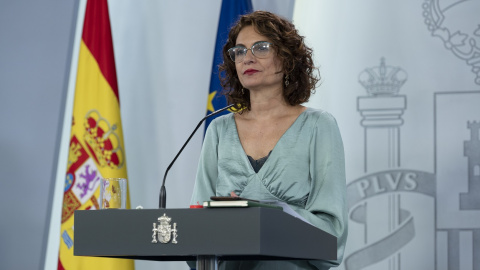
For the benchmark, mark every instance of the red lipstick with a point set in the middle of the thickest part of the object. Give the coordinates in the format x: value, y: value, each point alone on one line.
x: 250, y: 71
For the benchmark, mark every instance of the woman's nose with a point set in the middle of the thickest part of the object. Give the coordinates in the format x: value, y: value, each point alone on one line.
x: 249, y: 57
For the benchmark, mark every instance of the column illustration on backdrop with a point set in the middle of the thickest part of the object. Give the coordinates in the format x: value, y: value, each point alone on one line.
x: 378, y: 201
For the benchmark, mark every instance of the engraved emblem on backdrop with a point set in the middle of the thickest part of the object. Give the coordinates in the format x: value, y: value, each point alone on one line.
x: 414, y: 219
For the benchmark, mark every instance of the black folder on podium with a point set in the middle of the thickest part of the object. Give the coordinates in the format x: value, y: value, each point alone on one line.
x: 251, y: 233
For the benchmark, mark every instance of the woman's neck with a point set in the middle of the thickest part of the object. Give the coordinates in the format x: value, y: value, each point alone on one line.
x: 265, y: 107
x: 266, y: 100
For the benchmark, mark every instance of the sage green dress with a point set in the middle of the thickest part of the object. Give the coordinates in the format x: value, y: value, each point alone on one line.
x: 305, y: 169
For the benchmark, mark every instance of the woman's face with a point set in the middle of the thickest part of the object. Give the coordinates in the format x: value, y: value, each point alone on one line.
x: 256, y: 73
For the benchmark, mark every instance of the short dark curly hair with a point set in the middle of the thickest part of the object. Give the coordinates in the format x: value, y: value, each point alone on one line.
x: 290, y: 48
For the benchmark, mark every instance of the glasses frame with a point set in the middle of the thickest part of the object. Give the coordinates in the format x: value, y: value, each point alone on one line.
x: 248, y: 49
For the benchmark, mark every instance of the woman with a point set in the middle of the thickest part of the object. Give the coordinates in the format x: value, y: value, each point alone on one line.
x: 273, y: 148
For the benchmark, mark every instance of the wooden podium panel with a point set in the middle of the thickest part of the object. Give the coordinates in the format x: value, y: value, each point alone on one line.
x: 229, y: 233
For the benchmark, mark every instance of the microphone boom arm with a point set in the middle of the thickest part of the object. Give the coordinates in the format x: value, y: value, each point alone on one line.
x: 163, y: 192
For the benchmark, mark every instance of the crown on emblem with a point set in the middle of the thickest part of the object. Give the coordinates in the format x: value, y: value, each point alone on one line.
x: 382, y: 80
x: 474, y: 127
x: 473, y: 124
x: 103, y: 141
x: 164, y: 219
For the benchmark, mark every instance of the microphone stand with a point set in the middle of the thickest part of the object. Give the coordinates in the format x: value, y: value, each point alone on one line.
x: 163, y: 192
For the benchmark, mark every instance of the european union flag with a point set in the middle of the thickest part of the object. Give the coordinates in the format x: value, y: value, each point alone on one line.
x: 229, y: 14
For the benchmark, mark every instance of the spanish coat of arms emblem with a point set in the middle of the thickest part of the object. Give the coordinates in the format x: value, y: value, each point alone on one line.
x: 163, y: 231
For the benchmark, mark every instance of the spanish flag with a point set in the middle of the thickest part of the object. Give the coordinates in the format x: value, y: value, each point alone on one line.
x: 96, y: 141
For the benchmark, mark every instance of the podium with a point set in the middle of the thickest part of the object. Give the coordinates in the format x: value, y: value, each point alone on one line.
x: 205, y: 235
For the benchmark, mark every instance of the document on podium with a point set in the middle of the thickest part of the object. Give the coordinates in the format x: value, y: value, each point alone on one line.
x: 239, y: 203
x: 243, y: 202
x: 287, y: 209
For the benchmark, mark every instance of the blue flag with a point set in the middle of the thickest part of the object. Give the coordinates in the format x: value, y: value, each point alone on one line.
x: 229, y: 14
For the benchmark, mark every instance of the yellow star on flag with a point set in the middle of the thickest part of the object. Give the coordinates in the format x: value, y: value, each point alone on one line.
x: 209, y: 102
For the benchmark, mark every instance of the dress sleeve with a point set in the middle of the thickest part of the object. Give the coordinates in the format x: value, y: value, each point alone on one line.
x: 207, y: 172
x: 326, y: 205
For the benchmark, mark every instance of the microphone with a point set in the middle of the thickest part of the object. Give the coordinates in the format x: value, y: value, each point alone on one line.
x: 163, y: 192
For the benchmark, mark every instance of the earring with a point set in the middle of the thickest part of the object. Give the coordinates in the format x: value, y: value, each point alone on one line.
x: 243, y: 91
x: 286, y: 80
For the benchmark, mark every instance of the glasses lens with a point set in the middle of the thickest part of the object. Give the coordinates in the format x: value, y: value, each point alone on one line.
x: 261, y: 49
x: 237, y: 53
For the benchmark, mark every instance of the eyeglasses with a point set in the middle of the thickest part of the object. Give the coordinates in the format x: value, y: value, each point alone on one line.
x: 261, y: 49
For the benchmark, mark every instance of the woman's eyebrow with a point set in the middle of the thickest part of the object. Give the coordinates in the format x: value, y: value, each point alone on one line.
x: 258, y: 41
